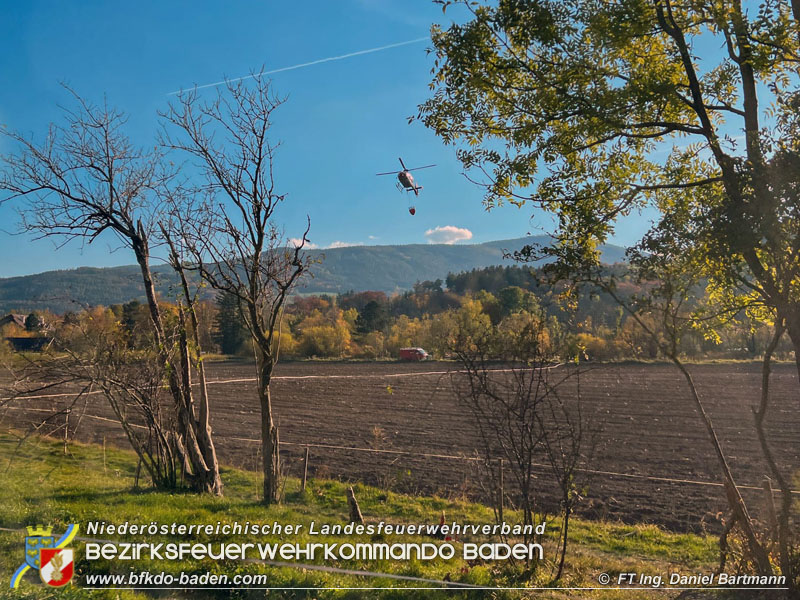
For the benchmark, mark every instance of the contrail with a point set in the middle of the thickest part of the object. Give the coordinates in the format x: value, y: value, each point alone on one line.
x: 308, y: 64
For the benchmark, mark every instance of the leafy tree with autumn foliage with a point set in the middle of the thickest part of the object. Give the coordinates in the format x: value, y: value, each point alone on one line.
x: 594, y: 109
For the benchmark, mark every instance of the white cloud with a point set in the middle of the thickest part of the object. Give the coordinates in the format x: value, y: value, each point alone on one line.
x: 297, y: 241
x: 449, y: 234
x: 338, y: 244
x: 373, y: 237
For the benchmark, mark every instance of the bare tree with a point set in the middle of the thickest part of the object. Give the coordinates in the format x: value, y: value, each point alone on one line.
x: 228, y: 223
x: 190, y: 354
x: 569, y: 442
x: 93, y: 353
x: 514, y: 387
x: 84, y: 179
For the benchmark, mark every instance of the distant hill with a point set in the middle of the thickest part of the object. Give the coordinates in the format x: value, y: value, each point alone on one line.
x: 359, y: 268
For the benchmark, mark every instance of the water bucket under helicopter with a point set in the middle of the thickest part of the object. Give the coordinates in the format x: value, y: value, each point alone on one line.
x: 412, y: 210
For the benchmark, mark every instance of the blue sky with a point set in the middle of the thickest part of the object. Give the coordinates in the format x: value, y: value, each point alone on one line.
x: 344, y: 120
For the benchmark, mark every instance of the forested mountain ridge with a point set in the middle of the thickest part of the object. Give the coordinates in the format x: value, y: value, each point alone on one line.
x: 388, y: 269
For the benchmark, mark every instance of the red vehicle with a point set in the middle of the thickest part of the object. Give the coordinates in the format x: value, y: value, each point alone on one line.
x: 413, y: 354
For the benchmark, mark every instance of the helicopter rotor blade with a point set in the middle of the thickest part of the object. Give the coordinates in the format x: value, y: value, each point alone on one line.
x: 403, y: 164
x: 389, y: 173
x: 418, y: 168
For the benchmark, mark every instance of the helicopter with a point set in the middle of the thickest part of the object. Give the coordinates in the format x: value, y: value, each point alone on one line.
x: 406, y: 180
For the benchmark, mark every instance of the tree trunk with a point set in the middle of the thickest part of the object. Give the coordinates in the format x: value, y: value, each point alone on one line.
x: 564, y: 540
x: 793, y: 330
x: 269, y: 432
x: 203, y: 478
x: 204, y: 437
x: 211, y: 480
x: 269, y: 452
x: 796, y: 13
x: 760, y: 413
x: 143, y: 259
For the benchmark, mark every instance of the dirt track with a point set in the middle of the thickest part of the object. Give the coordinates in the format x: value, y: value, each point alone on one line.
x: 648, y: 427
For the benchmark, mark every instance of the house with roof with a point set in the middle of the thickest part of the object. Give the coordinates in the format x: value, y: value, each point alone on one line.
x: 27, y: 343
x: 13, y: 318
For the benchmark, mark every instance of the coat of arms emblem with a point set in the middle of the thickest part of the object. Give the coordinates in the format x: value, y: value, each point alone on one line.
x: 38, y: 538
x: 57, y: 566
x: 48, y: 555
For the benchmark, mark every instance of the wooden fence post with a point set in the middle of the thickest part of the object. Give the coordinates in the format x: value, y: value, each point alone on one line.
x: 66, y: 430
x: 138, y: 470
x: 305, y: 468
x: 355, y: 511
x: 769, y: 499
x: 500, y: 491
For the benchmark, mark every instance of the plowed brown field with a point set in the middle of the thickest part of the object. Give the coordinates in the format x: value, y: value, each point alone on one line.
x: 649, y: 431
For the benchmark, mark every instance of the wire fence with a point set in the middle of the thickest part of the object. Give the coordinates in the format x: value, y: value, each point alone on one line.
x: 655, y: 478
x: 428, y: 455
